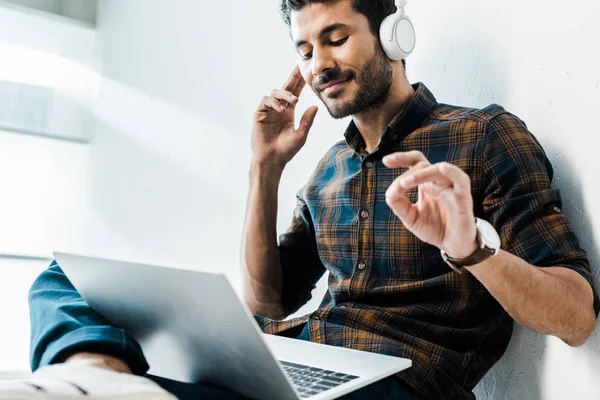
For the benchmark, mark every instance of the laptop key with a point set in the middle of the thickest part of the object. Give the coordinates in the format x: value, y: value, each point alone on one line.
x: 321, y: 388
x: 337, y: 380
x: 309, y: 381
x: 328, y: 383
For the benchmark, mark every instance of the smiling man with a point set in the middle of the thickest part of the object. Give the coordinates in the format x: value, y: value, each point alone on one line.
x: 437, y: 224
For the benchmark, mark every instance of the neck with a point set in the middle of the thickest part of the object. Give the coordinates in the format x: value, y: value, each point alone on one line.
x: 372, y: 123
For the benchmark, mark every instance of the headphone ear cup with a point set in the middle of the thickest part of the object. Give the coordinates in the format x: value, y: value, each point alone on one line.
x: 398, y: 37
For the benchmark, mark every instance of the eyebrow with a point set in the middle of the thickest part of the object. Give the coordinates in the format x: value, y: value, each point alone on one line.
x: 324, y: 31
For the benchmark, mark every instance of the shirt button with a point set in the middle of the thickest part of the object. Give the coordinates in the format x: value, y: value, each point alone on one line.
x: 364, y: 214
x: 395, y: 137
x: 557, y: 209
x: 342, y: 306
x: 316, y: 317
x: 369, y: 164
x: 362, y: 266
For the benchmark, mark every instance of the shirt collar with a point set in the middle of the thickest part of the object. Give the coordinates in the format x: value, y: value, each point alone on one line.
x: 407, y: 120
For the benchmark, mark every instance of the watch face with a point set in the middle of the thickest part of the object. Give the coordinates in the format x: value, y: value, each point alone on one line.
x: 489, y: 235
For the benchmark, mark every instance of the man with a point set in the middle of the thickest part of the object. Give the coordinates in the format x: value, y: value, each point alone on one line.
x: 386, y: 206
x: 390, y: 290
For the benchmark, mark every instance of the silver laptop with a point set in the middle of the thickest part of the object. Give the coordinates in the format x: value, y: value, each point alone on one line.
x: 193, y: 327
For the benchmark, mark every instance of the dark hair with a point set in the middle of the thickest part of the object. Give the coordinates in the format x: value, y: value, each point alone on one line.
x: 374, y: 10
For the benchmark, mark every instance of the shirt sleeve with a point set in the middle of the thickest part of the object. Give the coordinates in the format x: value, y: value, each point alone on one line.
x: 300, y: 262
x: 521, y: 204
x: 62, y: 324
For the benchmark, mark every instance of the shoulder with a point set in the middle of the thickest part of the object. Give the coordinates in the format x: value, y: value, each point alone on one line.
x: 488, y: 124
x: 447, y: 112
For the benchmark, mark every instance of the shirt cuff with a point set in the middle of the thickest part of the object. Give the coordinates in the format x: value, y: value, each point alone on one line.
x: 98, y: 339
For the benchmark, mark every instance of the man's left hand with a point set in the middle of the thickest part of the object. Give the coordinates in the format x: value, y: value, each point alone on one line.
x: 443, y: 215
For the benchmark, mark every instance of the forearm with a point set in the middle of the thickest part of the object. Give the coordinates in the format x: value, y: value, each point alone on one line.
x: 554, y: 301
x: 260, y: 255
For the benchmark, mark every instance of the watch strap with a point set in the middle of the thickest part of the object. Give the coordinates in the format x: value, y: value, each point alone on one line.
x: 477, y: 257
x: 481, y: 254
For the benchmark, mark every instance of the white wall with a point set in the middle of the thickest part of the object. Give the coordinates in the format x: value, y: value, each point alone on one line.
x: 181, y: 80
x: 42, y: 208
x: 47, y: 85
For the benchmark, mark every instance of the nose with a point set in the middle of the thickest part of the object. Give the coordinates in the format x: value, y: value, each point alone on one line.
x: 321, y: 61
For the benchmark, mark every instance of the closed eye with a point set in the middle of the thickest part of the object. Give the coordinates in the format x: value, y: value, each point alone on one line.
x: 339, y: 42
x: 307, y: 56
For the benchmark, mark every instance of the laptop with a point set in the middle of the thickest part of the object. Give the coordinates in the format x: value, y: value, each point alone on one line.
x: 193, y: 327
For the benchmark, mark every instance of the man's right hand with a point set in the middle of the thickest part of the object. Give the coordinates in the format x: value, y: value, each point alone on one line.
x: 99, y: 361
x: 275, y: 139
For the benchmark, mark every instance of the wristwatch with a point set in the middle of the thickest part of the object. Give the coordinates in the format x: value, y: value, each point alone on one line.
x: 488, y: 241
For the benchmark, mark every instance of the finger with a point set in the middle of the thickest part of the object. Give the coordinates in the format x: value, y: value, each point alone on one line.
x: 417, y: 167
x: 404, y: 159
x: 296, y: 91
x: 294, y: 81
x: 431, y: 174
x: 460, y: 180
x: 284, y: 95
x: 270, y: 103
x: 401, y: 205
x: 307, y: 120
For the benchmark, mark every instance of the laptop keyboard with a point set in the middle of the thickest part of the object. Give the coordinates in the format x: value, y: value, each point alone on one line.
x: 309, y: 381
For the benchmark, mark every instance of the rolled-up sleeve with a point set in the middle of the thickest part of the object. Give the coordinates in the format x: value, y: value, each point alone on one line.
x: 521, y: 204
x: 300, y: 261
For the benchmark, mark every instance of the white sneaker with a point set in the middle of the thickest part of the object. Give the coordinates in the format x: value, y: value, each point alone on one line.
x: 67, y: 381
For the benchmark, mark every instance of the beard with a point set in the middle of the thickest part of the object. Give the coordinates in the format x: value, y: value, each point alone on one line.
x: 374, y: 82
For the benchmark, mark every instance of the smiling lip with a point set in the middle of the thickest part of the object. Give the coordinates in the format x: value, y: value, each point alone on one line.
x: 333, y: 86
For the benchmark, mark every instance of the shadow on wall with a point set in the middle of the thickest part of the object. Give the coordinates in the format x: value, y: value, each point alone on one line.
x: 524, y: 370
x: 576, y: 365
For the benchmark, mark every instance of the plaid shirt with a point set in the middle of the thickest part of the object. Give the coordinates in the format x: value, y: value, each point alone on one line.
x: 391, y: 293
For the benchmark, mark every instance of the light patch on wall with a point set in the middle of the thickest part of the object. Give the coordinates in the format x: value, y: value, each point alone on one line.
x: 575, y: 366
x: 24, y: 66
x: 46, y: 94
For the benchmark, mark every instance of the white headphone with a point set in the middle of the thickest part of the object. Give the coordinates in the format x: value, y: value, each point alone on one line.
x: 397, y: 34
